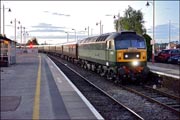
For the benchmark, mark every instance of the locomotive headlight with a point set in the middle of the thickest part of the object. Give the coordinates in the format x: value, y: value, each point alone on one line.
x: 137, y: 55
x: 126, y: 56
x: 135, y: 63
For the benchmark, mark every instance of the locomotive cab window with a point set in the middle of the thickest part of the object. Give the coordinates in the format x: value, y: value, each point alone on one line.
x: 130, y: 41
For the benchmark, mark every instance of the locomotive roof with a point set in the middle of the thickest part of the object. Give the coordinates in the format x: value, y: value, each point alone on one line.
x: 104, y: 37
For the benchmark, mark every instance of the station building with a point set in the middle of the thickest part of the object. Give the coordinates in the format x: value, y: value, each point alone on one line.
x: 8, y: 51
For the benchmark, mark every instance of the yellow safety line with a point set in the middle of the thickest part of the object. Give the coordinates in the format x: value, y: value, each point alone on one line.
x: 37, y: 93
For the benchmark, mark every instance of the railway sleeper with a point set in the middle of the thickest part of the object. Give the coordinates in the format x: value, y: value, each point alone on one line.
x: 175, y: 106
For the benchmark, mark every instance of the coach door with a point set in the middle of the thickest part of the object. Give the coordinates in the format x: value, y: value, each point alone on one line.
x: 110, y: 53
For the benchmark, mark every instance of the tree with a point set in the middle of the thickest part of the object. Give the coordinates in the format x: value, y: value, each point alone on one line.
x: 28, y: 43
x: 132, y: 20
x: 33, y: 41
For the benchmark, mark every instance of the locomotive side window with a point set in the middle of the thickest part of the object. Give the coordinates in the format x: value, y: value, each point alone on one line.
x: 110, y: 45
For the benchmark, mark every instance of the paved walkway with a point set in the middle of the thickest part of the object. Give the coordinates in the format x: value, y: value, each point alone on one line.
x: 165, y: 69
x: 35, y: 88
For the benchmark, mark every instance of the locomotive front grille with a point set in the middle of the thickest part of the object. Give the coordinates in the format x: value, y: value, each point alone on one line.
x: 132, y: 55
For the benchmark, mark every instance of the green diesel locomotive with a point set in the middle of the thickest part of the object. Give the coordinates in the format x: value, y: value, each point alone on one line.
x: 120, y: 55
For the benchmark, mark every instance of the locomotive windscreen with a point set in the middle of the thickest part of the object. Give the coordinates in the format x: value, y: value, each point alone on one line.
x: 126, y: 41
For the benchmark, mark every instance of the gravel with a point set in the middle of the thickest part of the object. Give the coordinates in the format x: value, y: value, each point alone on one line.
x: 141, y: 106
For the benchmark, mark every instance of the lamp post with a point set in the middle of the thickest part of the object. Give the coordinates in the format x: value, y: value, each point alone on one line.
x: 118, y: 18
x: 169, y: 34
x: 25, y: 34
x: 88, y: 30
x: 20, y: 33
x: 75, y: 33
x: 118, y: 23
x: 153, y: 41
x: 102, y: 29
x: 9, y: 10
x: 91, y: 31
x: 67, y: 36
x: 15, y: 28
x: 24, y: 37
x: 100, y: 26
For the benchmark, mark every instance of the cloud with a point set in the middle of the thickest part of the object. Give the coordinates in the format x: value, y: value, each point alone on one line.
x: 43, y: 30
x: 59, y: 14
x: 46, y: 11
x: 46, y: 30
x: 162, y: 32
x: 55, y: 13
x: 45, y: 25
x: 60, y: 37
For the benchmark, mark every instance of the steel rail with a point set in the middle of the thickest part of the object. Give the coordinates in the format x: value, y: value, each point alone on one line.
x: 161, y: 92
x: 151, y: 99
x: 102, y: 91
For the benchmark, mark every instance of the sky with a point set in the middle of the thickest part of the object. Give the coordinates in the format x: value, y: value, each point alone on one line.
x: 49, y: 21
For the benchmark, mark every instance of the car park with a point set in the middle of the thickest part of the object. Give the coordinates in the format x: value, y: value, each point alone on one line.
x: 165, y: 54
x: 174, y: 59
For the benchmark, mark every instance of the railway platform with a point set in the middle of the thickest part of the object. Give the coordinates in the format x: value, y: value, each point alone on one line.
x: 170, y: 70
x: 35, y: 88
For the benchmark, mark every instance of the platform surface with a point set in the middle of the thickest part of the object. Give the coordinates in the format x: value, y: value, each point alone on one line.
x: 34, y: 88
x: 171, y: 70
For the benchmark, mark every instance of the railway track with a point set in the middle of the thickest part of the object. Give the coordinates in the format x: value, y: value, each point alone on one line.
x: 107, y: 106
x: 166, y: 100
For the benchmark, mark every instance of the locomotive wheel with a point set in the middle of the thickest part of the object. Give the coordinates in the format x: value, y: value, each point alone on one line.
x: 120, y: 80
x: 99, y: 69
x: 102, y: 72
x: 85, y: 66
x: 110, y: 75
